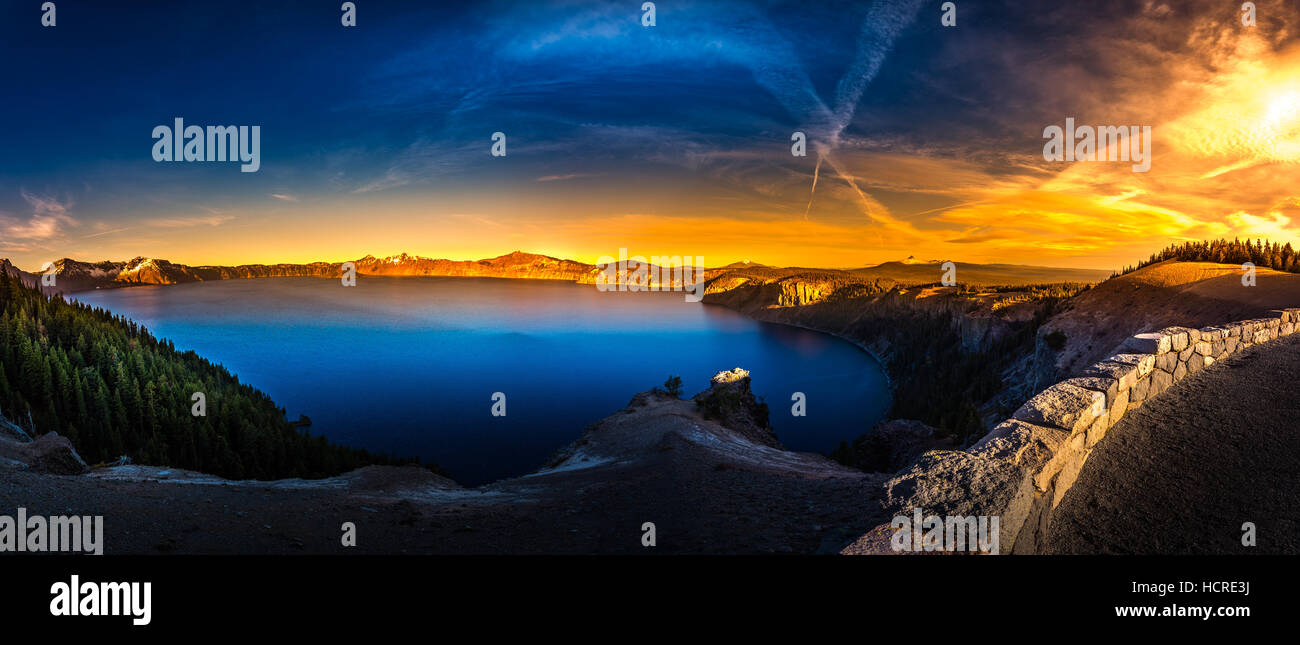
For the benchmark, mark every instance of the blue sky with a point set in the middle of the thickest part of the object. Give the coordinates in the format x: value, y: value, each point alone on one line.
x: 375, y: 139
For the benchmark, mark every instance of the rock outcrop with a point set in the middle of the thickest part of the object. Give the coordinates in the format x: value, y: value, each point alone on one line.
x: 48, y: 453
x: 730, y: 402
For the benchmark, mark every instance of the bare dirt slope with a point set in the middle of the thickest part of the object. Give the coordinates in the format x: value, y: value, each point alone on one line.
x: 1181, y: 474
x: 707, y: 487
x: 1188, y: 294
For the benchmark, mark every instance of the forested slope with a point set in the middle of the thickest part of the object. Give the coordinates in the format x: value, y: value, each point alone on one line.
x: 112, y: 388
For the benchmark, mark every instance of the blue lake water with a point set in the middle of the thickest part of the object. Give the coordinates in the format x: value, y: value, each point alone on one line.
x: 408, y: 365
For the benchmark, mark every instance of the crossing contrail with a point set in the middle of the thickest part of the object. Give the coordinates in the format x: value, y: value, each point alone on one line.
x: 816, y: 170
x: 879, y: 30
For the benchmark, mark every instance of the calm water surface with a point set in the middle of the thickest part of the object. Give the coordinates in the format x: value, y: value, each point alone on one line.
x: 409, y: 365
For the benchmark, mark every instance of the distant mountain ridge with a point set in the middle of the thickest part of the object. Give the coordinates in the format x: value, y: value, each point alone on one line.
x: 74, y: 275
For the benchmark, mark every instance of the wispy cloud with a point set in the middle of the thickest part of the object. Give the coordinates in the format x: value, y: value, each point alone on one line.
x: 287, y: 198
x: 576, y: 175
x: 186, y: 222
x: 48, y: 219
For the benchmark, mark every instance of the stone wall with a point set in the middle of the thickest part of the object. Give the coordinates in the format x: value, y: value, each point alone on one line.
x: 1024, y: 466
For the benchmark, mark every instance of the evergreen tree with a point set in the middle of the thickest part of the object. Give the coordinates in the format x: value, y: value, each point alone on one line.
x: 114, y: 390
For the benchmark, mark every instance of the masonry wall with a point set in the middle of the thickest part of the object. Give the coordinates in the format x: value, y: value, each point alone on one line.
x: 1024, y: 466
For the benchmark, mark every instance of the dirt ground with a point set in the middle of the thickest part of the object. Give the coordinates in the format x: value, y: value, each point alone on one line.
x: 1181, y: 474
x: 705, y: 490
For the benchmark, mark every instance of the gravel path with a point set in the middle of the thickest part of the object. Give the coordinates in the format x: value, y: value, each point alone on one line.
x: 1181, y: 474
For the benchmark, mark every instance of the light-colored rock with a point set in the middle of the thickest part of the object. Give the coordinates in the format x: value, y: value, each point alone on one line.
x: 1107, y: 386
x: 1024, y: 444
x: 946, y: 482
x: 1150, y: 343
x: 1072, y: 463
x: 1144, y: 362
x: 1125, y: 375
x: 1139, y: 391
x: 1064, y: 405
x: 1167, y: 361
x: 1177, y: 337
x: 1211, y: 334
x: 1119, y: 407
x: 1160, y: 381
x: 1098, y: 430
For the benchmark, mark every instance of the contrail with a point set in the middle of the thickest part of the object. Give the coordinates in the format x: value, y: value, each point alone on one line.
x: 879, y: 30
x: 816, y: 170
x: 870, y: 207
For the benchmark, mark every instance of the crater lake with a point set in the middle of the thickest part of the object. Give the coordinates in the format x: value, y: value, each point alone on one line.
x: 409, y: 365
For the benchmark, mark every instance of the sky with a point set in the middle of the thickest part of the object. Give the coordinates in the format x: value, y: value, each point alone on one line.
x: 923, y: 140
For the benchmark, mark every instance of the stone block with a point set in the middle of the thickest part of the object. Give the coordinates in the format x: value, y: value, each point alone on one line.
x: 1064, y: 405
x: 1177, y: 337
x: 1151, y: 343
x: 1139, y: 391
x: 1143, y: 362
x: 1126, y: 375
x: 1211, y: 334
x: 1098, y: 430
x: 1119, y: 407
x: 1160, y: 381
x: 1106, y: 385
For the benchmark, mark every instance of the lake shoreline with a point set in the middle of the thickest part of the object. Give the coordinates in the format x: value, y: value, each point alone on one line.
x: 424, y: 331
